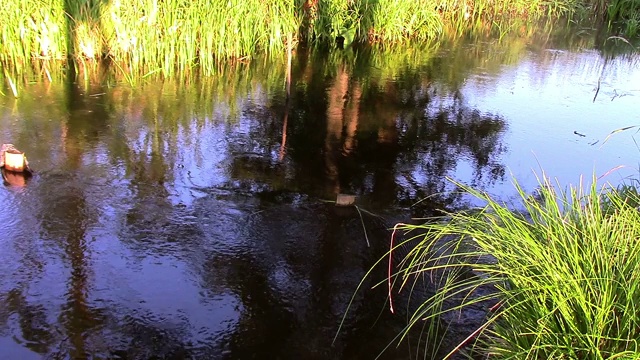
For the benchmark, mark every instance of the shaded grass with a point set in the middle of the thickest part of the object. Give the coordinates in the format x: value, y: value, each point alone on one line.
x: 626, y: 14
x: 558, y: 279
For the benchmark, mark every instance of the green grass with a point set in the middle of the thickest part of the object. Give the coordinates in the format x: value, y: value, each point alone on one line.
x: 625, y: 14
x: 147, y: 36
x: 32, y: 29
x: 560, y: 277
x: 180, y: 35
x: 390, y: 21
x: 170, y: 37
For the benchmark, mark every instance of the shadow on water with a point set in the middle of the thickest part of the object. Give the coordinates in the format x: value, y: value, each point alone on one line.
x: 172, y: 221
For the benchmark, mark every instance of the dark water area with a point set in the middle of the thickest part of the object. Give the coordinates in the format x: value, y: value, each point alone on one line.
x: 194, y: 219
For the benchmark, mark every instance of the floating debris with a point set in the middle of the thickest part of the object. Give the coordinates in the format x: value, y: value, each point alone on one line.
x: 345, y: 200
x: 12, y: 159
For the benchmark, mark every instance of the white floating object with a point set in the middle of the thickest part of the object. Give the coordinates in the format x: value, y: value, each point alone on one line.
x: 13, y: 159
x: 345, y: 200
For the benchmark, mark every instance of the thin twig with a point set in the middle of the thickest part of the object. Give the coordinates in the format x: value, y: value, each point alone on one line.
x: 363, y: 227
x: 283, y: 143
x: 373, y: 214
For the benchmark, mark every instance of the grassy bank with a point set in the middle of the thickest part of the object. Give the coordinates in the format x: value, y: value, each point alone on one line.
x: 165, y: 36
x: 562, y: 274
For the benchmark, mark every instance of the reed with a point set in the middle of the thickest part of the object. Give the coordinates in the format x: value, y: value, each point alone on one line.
x: 32, y: 29
x: 390, y: 21
x: 144, y: 36
x: 624, y: 14
x: 559, y: 278
x: 178, y: 35
x: 167, y: 37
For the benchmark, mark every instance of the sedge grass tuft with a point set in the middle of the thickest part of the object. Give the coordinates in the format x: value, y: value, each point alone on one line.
x: 562, y: 273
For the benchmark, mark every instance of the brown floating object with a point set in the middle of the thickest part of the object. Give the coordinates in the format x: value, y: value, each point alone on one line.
x: 13, y: 159
x: 345, y: 200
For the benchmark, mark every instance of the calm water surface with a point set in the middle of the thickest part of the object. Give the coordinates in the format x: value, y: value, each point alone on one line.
x: 192, y: 220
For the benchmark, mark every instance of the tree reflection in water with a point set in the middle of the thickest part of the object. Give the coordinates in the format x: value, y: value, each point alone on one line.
x: 184, y: 230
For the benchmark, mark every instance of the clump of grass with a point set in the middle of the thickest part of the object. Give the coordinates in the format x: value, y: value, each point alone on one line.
x: 32, y: 29
x: 370, y: 21
x: 178, y: 35
x: 324, y: 21
x: 145, y: 36
x: 562, y: 274
x: 391, y: 21
x: 172, y: 37
x: 624, y: 14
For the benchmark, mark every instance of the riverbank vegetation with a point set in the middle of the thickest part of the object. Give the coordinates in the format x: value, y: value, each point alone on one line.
x: 558, y: 280
x: 178, y: 36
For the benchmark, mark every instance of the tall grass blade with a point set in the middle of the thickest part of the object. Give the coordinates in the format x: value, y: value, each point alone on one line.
x: 558, y: 278
x: 184, y: 37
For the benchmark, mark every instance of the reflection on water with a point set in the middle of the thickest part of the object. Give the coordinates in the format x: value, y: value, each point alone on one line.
x: 173, y: 220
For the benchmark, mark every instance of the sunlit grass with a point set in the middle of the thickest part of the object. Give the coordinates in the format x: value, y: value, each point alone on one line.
x: 32, y: 29
x: 394, y: 21
x: 145, y: 36
x: 170, y: 37
x: 560, y: 277
x: 179, y: 35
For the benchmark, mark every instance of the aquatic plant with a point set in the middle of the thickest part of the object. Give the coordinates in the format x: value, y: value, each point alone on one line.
x: 145, y: 36
x: 170, y: 37
x: 557, y: 279
x: 32, y: 29
x: 390, y: 21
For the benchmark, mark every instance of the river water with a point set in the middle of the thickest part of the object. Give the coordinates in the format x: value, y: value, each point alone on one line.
x: 193, y: 218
